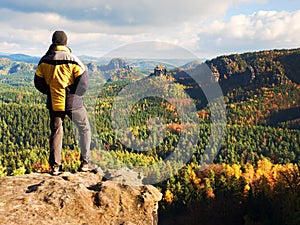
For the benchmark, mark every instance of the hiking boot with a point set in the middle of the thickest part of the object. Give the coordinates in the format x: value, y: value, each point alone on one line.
x: 87, y: 167
x: 55, y: 170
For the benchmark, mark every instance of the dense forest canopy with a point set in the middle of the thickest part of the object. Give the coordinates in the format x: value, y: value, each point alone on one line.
x: 258, y: 160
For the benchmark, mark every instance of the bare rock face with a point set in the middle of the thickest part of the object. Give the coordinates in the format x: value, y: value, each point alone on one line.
x: 81, y: 198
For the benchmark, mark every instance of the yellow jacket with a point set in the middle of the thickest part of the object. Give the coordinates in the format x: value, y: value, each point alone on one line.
x: 63, y: 77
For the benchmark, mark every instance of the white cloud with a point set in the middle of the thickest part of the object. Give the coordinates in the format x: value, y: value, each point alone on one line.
x: 263, y: 29
x: 95, y: 27
x: 126, y: 13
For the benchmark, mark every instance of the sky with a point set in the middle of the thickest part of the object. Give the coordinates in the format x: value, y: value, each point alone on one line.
x: 207, y: 28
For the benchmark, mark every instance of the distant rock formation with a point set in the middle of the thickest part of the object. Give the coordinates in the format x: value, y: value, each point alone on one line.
x: 215, y: 73
x: 160, y: 70
x: 251, y: 69
x: 255, y: 69
x: 80, y: 198
x: 115, y: 63
x: 92, y: 67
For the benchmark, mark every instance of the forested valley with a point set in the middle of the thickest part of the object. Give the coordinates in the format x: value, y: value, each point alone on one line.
x: 254, y: 177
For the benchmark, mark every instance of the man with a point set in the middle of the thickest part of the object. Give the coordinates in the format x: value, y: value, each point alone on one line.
x: 64, y: 79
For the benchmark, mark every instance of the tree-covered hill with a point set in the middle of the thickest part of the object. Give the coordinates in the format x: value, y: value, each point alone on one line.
x: 260, y: 88
x: 256, y: 69
x: 8, y: 67
x: 247, y: 70
x: 21, y: 58
x: 116, y: 69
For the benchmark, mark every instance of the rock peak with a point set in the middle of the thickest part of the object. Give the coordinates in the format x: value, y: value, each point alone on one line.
x: 80, y: 198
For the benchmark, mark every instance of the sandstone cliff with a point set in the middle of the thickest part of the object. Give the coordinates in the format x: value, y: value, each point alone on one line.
x: 81, y: 198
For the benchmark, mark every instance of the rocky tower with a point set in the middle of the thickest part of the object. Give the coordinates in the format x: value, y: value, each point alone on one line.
x: 160, y: 70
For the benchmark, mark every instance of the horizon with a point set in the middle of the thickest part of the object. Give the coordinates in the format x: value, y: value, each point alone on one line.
x: 149, y: 58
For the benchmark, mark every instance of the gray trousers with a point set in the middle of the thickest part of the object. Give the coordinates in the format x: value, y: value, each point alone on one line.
x: 79, y: 118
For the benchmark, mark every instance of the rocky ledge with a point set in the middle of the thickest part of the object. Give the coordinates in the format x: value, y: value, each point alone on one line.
x: 80, y: 198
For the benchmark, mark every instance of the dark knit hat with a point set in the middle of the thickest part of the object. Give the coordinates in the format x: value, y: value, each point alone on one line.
x: 59, y: 37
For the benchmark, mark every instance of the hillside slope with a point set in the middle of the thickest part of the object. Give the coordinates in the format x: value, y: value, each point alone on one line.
x: 256, y: 69
x: 260, y: 88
